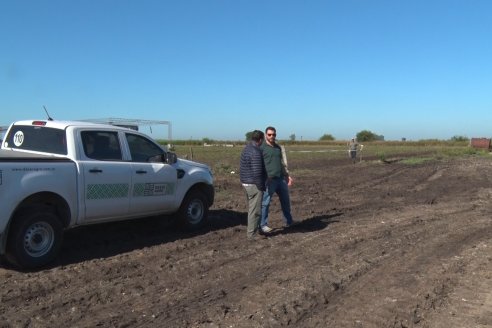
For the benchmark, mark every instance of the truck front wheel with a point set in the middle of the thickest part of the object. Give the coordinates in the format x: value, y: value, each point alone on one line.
x: 194, y: 210
x: 35, y: 238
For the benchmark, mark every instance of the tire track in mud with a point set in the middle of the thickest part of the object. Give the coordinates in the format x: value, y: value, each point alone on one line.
x: 358, y: 258
x: 393, y: 183
x: 469, y: 303
x: 391, y: 288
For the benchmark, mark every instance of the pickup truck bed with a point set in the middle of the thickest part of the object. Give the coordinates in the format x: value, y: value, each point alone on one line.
x: 8, y: 155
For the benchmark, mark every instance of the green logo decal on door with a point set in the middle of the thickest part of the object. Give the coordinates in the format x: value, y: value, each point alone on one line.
x: 105, y: 191
x: 153, y: 189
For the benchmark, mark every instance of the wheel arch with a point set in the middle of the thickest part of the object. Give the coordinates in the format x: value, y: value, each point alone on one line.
x: 55, y: 202
x: 206, y: 189
x: 194, y: 208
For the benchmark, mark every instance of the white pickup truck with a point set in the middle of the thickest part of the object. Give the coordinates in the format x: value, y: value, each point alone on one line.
x: 56, y: 175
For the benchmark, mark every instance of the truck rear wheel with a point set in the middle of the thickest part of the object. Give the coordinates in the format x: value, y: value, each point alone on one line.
x: 35, y: 238
x: 194, y: 210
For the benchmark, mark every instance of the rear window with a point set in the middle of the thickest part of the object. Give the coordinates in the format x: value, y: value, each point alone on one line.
x: 37, y: 138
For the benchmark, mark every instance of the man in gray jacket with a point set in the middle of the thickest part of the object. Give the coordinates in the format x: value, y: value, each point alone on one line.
x: 252, y: 174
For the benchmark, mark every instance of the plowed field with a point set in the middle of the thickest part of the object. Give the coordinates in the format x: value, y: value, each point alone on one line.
x: 379, y: 245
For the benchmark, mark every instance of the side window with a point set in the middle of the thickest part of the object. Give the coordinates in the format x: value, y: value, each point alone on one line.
x: 101, y: 145
x: 142, y: 149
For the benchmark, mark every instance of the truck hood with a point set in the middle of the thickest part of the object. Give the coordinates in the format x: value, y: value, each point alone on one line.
x: 184, y: 163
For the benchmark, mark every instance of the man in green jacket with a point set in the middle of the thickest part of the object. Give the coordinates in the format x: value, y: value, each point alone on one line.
x: 278, y: 179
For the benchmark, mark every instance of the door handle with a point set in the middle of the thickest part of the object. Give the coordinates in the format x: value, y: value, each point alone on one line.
x: 141, y: 172
x: 95, y: 171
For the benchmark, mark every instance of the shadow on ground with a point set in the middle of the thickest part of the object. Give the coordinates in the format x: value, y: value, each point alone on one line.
x: 110, y: 239
x: 313, y: 224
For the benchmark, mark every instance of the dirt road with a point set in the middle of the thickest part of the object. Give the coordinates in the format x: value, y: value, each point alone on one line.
x: 380, y: 245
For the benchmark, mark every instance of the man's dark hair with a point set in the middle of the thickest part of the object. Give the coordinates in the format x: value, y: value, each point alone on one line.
x: 270, y: 128
x: 257, y: 135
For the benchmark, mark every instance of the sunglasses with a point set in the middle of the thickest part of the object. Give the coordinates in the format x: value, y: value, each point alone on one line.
x: 271, y: 134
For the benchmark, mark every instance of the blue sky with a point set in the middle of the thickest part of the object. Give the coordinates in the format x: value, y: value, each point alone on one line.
x: 418, y: 69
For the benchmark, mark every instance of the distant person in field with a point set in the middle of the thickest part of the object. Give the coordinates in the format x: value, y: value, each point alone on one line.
x: 353, y: 147
x: 253, y: 178
x: 278, y: 179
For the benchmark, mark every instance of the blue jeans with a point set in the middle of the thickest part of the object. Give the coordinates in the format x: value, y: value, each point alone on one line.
x: 278, y: 186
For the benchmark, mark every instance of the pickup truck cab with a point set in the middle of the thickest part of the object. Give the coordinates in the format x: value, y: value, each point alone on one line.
x: 56, y: 175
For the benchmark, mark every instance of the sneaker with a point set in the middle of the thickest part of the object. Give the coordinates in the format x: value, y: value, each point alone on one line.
x: 266, y: 229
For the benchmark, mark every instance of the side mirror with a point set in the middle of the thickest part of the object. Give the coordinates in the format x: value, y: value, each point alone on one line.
x: 171, y: 158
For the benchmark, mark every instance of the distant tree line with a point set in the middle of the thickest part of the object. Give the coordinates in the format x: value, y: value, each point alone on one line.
x: 366, y: 135
x: 362, y: 136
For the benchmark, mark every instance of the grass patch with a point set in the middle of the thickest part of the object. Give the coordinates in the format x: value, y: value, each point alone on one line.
x: 417, y: 160
x: 463, y: 151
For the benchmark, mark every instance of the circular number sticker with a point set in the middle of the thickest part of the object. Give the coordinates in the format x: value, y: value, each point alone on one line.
x: 18, y: 138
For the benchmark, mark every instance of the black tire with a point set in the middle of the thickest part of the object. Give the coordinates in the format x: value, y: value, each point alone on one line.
x: 35, y: 238
x: 193, y: 211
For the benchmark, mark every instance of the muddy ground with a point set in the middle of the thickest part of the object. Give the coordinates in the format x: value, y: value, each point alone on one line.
x: 379, y: 245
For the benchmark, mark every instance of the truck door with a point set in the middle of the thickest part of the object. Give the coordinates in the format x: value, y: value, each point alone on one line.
x: 106, y: 177
x: 153, y: 187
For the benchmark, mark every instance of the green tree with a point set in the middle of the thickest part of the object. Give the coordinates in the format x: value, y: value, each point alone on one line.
x: 292, y: 137
x: 460, y: 138
x: 366, y: 135
x: 326, y: 137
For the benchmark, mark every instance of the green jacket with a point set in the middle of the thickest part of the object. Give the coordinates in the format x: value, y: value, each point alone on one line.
x: 275, y: 164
